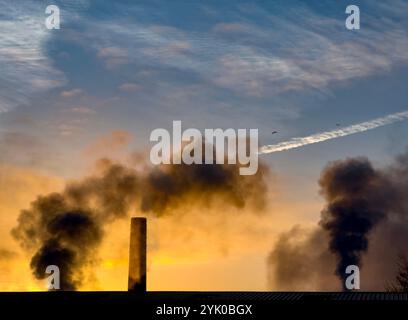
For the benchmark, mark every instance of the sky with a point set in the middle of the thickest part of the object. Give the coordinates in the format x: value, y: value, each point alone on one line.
x: 116, y: 70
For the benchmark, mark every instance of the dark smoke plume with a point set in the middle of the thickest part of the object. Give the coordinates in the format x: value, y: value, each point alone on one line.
x: 358, y: 198
x: 299, y: 262
x: 365, y: 219
x: 66, y: 228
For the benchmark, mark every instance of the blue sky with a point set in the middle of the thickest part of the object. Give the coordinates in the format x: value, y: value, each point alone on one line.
x: 289, y: 66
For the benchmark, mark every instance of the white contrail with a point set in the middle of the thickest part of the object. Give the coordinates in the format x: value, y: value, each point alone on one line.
x: 327, y: 135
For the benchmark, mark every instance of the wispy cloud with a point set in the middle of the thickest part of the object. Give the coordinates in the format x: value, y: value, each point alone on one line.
x: 113, y: 56
x: 22, y: 148
x: 82, y: 110
x: 328, y: 135
x: 129, y: 87
x: 304, y: 55
x: 25, y: 67
x: 230, y: 27
x: 71, y: 93
x: 273, y: 53
x: 112, y: 143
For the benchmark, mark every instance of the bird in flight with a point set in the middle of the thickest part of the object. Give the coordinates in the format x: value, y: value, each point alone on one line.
x: 337, y: 124
x: 273, y: 132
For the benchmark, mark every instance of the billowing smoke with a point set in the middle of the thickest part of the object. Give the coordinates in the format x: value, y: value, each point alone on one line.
x: 170, y: 188
x: 67, y: 228
x: 299, y: 262
x: 364, y: 223
x: 358, y: 197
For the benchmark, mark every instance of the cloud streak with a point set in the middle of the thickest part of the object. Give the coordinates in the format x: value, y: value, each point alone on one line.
x: 258, y: 54
x: 333, y: 134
